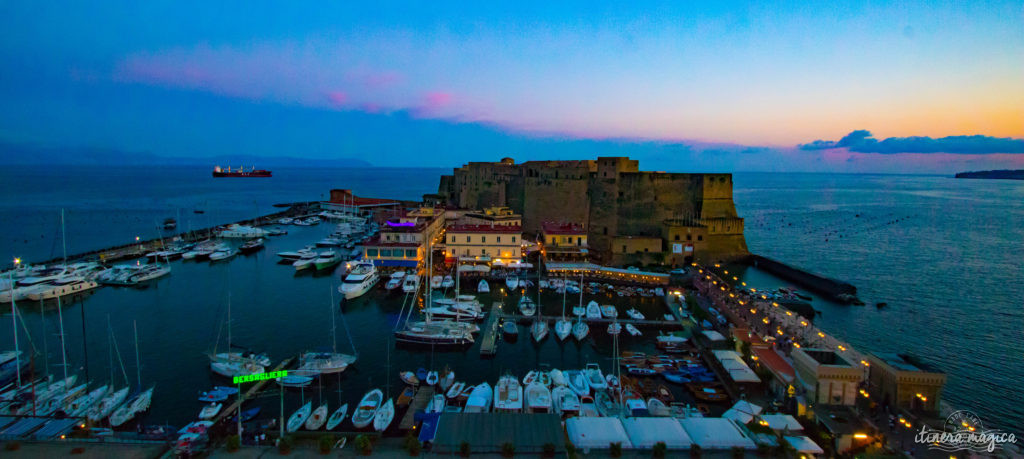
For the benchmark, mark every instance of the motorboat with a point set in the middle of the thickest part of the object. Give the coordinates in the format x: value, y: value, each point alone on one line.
x: 563, y: 328
x: 61, y: 287
x: 223, y: 254
x: 398, y: 275
x: 241, y: 231
x: 284, y: 221
x: 298, y: 418
x: 510, y: 328
x: 454, y: 391
x: 587, y: 407
x: 149, y: 272
x: 435, y: 282
x: 657, y: 408
x: 594, y: 377
x: 432, y: 378
x: 605, y: 405
x: 319, y: 363
x: 512, y: 282
x: 382, y: 419
x: 436, y: 404
x: 479, y: 400
x: 209, y: 411
x: 247, y: 415
x: 482, y: 287
x: 609, y: 311
x: 367, y: 408
x: 411, y: 283
x: 80, y: 406
x: 359, y: 280
x: 447, y: 381
x: 538, y: 398
x: 132, y: 408
x: 508, y: 395
x: 307, y: 261
x: 327, y: 259
x: 541, y: 377
x: 318, y: 418
x: 337, y: 416
x: 557, y: 377
x: 614, y: 328
x: 196, y: 427
x: 293, y: 380
x: 593, y: 310
x: 251, y: 246
x: 447, y: 282
x: 526, y: 306
x: 539, y: 329
x: 578, y: 382
x: 392, y: 283
x: 409, y: 378
x: 633, y: 330
x: 565, y: 401
x: 329, y: 242
x: 292, y: 256
x: 634, y: 314
x: 445, y: 332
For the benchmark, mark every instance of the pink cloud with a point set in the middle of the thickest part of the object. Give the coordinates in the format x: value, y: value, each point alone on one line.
x: 337, y: 98
x: 436, y: 100
x: 382, y: 80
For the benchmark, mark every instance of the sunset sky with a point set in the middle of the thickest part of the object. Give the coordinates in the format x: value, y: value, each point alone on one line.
x: 680, y: 85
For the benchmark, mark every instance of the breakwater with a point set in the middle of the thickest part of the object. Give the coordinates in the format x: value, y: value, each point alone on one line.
x: 833, y: 289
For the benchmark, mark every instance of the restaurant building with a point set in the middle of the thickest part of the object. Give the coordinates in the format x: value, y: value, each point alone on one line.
x: 403, y: 239
x: 493, y: 242
x: 827, y: 377
x: 564, y: 241
x: 898, y: 380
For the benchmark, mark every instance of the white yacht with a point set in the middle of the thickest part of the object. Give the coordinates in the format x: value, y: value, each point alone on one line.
x: 512, y: 282
x: 149, y: 272
x: 411, y: 283
x: 242, y: 231
x: 292, y: 256
x: 508, y: 395
x: 479, y: 400
x: 324, y: 362
x: 61, y: 287
x: 482, y: 287
x: 359, y: 281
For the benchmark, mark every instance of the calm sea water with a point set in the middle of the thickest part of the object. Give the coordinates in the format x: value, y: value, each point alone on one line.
x: 943, y: 253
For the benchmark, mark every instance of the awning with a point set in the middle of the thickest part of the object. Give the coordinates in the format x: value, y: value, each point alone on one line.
x: 716, y: 433
x: 782, y: 422
x: 803, y: 444
x: 428, y: 428
x: 646, y: 432
x: 742, y: 412
x: 596, y: 433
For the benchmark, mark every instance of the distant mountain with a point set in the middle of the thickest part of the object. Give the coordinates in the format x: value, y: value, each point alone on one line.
x: 999, y: 174
x: 31, y: 155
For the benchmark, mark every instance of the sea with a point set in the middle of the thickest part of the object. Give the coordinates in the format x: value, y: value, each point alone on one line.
x: 943, y: 254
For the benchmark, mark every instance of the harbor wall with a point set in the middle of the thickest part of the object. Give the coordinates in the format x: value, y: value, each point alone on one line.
x: 831, y: 288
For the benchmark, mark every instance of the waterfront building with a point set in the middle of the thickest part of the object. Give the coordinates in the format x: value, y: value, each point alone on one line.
x: 902, y: 381
x: 564, y: 241
x: 483, y: 242
x: 498, y: 215
x: 826, y: 377
x: 613, y: 200
x: 605, y: 273
x: 344, y: 201
x: 403, y: 239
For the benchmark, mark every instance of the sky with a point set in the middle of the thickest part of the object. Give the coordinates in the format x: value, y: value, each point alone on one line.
x: 927, y: 87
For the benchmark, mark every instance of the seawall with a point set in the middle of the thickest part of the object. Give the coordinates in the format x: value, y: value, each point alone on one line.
x: 835, y: 290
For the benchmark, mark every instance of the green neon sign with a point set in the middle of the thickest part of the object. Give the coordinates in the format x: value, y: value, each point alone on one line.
x: 260, y: 376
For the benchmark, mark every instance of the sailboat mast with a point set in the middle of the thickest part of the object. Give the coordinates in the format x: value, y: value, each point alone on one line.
x: 334, y: 327
x: 63, y: 239
x: 14, y: 326
x: 229, y: 322
x: 138, y: 367
x: 63, y: 349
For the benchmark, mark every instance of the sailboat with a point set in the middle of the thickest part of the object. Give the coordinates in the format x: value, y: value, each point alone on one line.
x: 482, y: 287
x: 580, y: 329
x: 382, y: 419
x: 299, y: 417
x: 367, y: 409
x: 562, y: 326
x: 539, y: 328
x: 140, y: 402
x: 337, y: 416
x: 231, y: 364
x: 314, y: 363
x: 526, y: 306
x: 109, y: 403
x: 318, y: 418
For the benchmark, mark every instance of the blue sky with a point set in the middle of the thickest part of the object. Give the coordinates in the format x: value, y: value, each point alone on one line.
x: 680, y: 85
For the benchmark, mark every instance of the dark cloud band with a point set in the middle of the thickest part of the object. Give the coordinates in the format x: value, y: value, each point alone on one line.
x: 862, y: 141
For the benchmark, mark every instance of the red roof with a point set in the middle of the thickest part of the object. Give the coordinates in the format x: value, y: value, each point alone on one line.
x: 346, y: 197
x: 771, y: 359
x: 485, y: 229
x: 563, y: 228
x: 744, y: 334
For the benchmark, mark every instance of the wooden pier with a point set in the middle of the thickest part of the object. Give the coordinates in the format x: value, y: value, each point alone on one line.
x: 419, y: 402
x: 489, y: 339
x: 252, y: 392
x: 645, y: 322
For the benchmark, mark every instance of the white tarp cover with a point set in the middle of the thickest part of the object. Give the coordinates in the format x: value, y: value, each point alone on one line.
x: 804, y: 445
x: 782, y: 422
x: 738, y: 369
x: 713, y: 335
x: 742, y: 412
x: 715, y: 433
x: 596, y: 433
x: 646, y: 432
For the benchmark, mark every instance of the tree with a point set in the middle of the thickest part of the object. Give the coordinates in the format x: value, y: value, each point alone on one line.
x: 615, y: 449
x: 508, y: 449
x: 464, y: 449
x: 659, y: 449
x: 364, y: 444
x: 233, y: 443
x: 326, y: 443
x: 284, y: 445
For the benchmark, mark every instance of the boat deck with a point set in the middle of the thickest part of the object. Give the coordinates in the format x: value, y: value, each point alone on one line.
x: 419, y: 402
x: 252, y: 392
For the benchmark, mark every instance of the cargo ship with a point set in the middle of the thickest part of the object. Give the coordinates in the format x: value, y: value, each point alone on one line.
x: 240, y: 172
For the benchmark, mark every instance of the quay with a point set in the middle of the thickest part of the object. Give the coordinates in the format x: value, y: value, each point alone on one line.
x: 253, y: 391
x: 489, y: 339
x: 418, y: 404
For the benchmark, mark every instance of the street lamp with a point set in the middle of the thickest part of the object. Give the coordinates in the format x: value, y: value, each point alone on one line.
x: 14, y: 323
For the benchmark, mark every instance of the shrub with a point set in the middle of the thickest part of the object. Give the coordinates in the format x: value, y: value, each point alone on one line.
x: 695, y: 451
x: 233, y: 443
x: 659, y: 449
x: 364, y: 444
x: 549, y: 450
x: 77, y: 450
x: 508, y: 449
x: 763, y: 449
x: 12, y: 446
x: 737, y: 452
x: 284, y: 445
x: 326, y: 443
x: 464, y: 449
x: 615, y: 449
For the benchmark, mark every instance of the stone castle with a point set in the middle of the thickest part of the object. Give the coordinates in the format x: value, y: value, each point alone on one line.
x: 631, y: 216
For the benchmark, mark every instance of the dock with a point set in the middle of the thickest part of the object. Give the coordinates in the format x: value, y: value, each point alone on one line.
x: 489, y: 340
x: 252, y: 392
x: 519, y: 318
x: 419, y: 402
